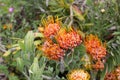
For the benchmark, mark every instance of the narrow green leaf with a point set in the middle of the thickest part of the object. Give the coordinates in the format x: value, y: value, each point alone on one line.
x: 20, y: 64
x: 29, y: 42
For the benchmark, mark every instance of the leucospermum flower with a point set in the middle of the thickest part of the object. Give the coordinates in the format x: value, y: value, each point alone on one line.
x: 110, y: 76
x: 98, y: 65
x: 68, y: 39
x: 52, y: 50
x: 51, y: 27
x: 78, y: 74
x: 113, y: 75
x: 94, y: 47
x: 117, y: 72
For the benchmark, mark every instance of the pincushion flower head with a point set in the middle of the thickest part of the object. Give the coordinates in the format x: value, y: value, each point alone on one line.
x: 117, y: 73
x: 52, y: 50
x: 94, y: 47
x: 78, y: 74
x: 51, y: 27
x: 98, y: 65
x: 113, y: 75
x: 68, y: 39
x: 110, y: 76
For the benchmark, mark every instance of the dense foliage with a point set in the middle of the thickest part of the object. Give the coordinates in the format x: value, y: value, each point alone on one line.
x: 60, y: 40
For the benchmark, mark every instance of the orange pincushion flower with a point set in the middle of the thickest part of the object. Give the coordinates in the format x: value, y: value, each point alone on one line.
x: 114, y: 75
x: 94, y: 47
x: 51, y: 27
x: 91, y: 42
x: 98, y: 53
x: 110, y: 76
x: 52, y: 50
x: 68, y: 40
x: 78, y: 75
x: 98, y: 65
x: 117, y: 72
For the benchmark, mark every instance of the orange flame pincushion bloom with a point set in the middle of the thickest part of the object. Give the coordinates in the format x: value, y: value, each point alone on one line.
x: 113, y: 75
x: 117, y: 72
x: 78, y: 75
x: 94, y: 47
x: 51, y: 27
x: 52, y: 50
x: 68, y: 40
x: 98, y: 65
x: 110, y: 76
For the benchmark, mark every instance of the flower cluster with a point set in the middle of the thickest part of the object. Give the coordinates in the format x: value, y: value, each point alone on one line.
x: 68, y: 40
x: 64, y: 39
x: 52, y: 50
x: 78, y: 75
x: 117, y: 72
x: 110, y: 76
x: 114, y: 75
x: 96, y: 49
x: 51, y: 27
x: 98, y: 65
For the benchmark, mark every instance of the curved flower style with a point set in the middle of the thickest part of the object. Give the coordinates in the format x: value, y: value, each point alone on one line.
x: 51, y: 27
x: 94, y: 47
x: 52, y: 51
x: 78, y: 75
x: 68, y: 40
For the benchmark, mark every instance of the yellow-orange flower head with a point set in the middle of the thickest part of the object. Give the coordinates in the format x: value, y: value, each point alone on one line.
x: 51, y: 27
x: 52, y: 50
x: 78, y: 75
x: 94, y: 47
x: 68, y: 40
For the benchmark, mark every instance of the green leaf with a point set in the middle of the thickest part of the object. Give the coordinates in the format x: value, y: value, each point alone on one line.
x: 21, y: 44
x: 36, y: 71
x: 116, y: 33
x: 78, y: 13
x: 20, y: 64
x: 102, y: 76
x: 12, y: 77
x: 80, y: 50
x: 75, y: 57
x: 29, y: 42
x: 4, y: 69
x: 57, y: 10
